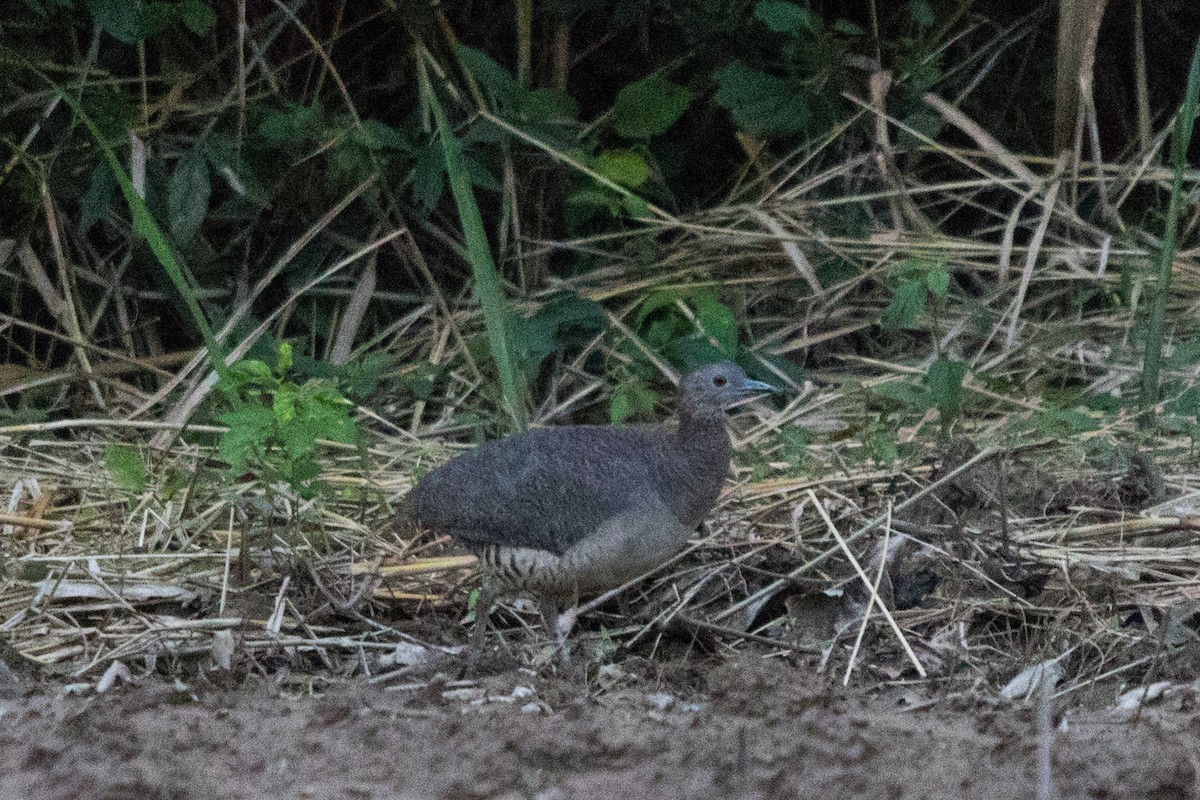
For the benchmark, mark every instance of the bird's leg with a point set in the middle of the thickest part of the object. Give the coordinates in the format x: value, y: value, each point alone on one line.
x: 553, y: 621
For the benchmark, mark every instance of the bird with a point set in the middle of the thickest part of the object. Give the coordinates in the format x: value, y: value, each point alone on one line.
x: 576, y: 510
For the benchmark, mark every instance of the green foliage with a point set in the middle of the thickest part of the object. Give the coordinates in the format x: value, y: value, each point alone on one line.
x: 799, y: 91
x: 763, y: 104
x: 624, y: 167
x: 127, y: 466
x: 704, y: 330
x: 796, y: 88
x: 274, y: 423
x: 134, y: 22
x: 190, y: 189
x: 917, y: 281
x: 631, y: 399
x: 1181, y: 140
x: 1055, y: 422
x: 942, y: 389
x: 906, y: 306
x: 648, y: 107
x: 944, y: 382
x: 497, y: 314
x: 564, y: 324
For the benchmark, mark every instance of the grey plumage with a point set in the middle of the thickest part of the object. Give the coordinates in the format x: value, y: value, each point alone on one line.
x: 565, y: 511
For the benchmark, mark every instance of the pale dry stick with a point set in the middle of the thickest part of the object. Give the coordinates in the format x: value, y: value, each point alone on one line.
x: 862, y: 628
x: 779, y: 583
x: 225, y: 568
x: 676, y: 609
x: 1035, y: 244
x: 1010, y: 232
x: 352, y: 317
x: 60, y: 306
x: 1104, y: 675
x: 275, y: 621
x: 37, y: 523
x: 64, y: 424
x: 790, y: 249
x: 985, y: 140
x: 1045, y: 733
x: 637, y: 342
x: 867, y: 581
x: 904, y: 211
x: 811, y: 151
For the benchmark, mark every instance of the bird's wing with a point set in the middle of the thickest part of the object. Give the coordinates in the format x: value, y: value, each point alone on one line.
x: 545, y: 489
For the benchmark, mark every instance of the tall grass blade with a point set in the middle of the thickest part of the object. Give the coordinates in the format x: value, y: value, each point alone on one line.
x: 1180, y: 140
x: 496, y: 311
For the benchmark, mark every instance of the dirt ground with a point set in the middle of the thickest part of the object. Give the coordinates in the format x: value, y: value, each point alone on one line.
x: 751, y: 727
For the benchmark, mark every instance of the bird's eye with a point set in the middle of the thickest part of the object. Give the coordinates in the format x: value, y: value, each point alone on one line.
x: 719, y: 381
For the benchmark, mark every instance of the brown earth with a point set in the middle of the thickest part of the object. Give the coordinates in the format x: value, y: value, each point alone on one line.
x: 752, y: 728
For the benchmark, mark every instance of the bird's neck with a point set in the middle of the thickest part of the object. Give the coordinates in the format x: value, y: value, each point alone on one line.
x: 702, y: 437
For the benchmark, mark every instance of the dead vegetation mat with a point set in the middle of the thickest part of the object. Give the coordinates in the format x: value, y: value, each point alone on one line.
x: 969, y: 563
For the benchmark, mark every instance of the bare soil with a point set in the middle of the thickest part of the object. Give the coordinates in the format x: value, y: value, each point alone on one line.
x: 750, y: 727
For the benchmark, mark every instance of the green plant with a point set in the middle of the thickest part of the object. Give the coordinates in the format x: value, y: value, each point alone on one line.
x: 274, y: 423
x: 797, y: 87
x: 918, y: 281
x: 1181, y: 139
x: 497, y: 315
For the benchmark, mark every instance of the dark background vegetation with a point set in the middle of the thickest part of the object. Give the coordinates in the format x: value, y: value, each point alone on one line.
x: 588, y: 130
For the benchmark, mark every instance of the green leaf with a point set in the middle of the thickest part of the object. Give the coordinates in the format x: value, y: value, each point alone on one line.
x: 921, y: 13
x: 649, y: 107
x: 285, y: 360
x: 548, y: 105
x: 1185, y: 354
x: 492, y: 77
x: 718, y: 321
x: 903, y: 394
x: 691, y: 352
x: 623, y: 166
x: 631, y: 399
x: 658, y: 300
x: 196, y: 15
x: 596, y: 198
x: 428, y: 178
x: 795, y: 444
x: 99, y: 196
x: 945, y: 385
x: 118, y: 18
x: 1071, y: 420
x: 848, y: 28
x: 636, y: 207
x: 188, y: 194
x: 783, y: 17
x: 251, y: 372
x: 906, y: 306
x: 379, y: 135
x: 250, y: 427
x: 127, y: 466
x: 938, y: 279
x: 565, y: 321
x: 761, y: 103
x: 481, y: 176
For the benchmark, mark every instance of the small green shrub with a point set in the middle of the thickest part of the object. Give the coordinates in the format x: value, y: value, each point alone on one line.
x: 275, y: 422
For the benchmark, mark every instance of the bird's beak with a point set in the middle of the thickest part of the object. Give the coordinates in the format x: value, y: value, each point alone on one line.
x: 753, y: 387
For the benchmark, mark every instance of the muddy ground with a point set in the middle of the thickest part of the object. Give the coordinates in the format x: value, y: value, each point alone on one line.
x: 749, y: 727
